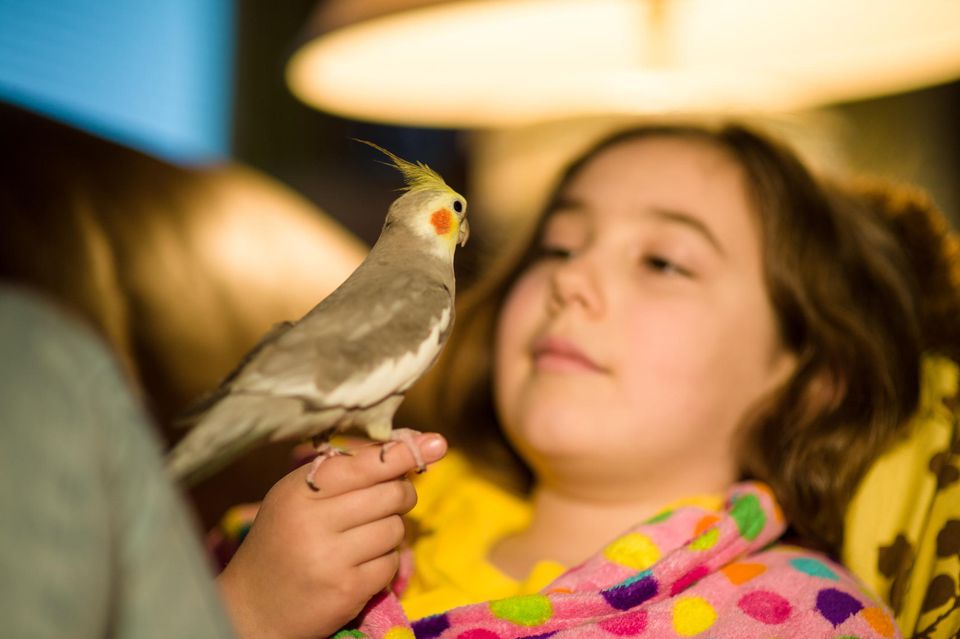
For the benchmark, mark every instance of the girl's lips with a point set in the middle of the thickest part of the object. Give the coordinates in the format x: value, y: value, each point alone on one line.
x: 558, y: 354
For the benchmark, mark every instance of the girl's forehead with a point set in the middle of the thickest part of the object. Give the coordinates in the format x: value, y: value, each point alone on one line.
x: 668, y: 170
x: 660, y: 160
x: 660, y: 178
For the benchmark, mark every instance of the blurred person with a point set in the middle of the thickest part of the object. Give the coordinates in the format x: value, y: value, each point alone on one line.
x: 94, y: 539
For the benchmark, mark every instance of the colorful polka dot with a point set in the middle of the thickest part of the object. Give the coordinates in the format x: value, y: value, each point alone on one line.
x: 399, y: 632
x: 836, y: 606
x: 813, y: 567
x: 525, y: 610
x: 478, y: 633
x: 430, y: 627
x: 237, y: 521
x: 689, y: 579
x: 749, y: 515
x: 774, y: 506
x: 741, y: 572
x: 626, y: 625
x: 880, y: 621
x: 706, y: 541
x: 705, y: 522
x: 692, y: 615
x: 765, y: 606
x: 633, y: 550
x: 660, y: 516
x: 632, y: 592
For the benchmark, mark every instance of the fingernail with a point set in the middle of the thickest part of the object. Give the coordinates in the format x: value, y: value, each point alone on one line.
x: 433, y: 445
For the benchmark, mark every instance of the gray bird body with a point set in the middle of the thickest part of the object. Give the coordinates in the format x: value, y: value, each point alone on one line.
x: 345, y: 364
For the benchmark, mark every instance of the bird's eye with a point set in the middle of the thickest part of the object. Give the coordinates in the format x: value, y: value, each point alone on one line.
x: 458, y: 206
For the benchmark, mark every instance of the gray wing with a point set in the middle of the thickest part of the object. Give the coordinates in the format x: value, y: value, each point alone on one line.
x: 367, y: 323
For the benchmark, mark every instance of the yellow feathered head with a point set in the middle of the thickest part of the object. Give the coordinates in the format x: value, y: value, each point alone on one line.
x: 418, y: 176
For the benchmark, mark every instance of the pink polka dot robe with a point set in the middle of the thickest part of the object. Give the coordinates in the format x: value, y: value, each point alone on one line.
x: 689, y: 572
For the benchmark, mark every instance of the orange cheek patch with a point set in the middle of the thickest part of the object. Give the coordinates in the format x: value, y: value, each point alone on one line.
x: 441, y: 221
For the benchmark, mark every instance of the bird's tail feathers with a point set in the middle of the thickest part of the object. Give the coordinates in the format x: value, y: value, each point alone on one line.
x: 224, y: 432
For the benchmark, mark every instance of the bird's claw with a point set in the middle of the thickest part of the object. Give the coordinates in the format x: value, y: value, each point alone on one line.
x: 405, y: 436
x: 324, y: 452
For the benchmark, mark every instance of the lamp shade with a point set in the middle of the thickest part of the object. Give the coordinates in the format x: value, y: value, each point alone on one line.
x: 490, y: 63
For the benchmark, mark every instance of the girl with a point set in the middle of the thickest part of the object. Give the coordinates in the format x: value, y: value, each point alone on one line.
x: 694, y: 310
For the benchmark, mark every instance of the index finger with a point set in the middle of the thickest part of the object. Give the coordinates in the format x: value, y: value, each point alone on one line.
x: 345, y: 473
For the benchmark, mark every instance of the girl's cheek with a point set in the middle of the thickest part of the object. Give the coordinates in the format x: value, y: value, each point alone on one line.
x: 520, y: 312
x: 526, y: 301
x: 513, y: 315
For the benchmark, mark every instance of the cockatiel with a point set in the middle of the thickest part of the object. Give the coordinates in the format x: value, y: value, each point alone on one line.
x: 347, y: 362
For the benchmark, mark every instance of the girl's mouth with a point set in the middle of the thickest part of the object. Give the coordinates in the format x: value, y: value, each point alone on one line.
x: 558, y: 354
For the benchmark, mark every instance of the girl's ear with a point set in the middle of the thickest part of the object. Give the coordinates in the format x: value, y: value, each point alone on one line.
x: 826, y: 390
x: 782, y: 369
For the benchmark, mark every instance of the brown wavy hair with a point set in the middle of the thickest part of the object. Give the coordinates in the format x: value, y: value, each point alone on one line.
x: 863, y: 280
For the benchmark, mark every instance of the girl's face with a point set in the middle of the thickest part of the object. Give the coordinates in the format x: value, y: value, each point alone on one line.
x: 635, y: 344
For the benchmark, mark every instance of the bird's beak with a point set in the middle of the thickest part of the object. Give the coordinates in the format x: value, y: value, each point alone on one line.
x: 464, y: 231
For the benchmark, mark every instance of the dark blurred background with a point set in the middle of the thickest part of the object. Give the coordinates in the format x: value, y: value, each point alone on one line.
x: 310, y: 150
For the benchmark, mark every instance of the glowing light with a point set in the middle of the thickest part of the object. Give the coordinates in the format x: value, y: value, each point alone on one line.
x: 489, y: 63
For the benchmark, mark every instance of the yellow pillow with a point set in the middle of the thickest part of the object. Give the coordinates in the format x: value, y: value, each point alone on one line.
x: 902, y: 530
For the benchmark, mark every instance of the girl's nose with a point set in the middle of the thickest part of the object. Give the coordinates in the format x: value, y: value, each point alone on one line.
x: 575, y: 283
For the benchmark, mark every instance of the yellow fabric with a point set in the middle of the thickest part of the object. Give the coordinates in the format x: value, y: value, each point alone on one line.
x: 458, y: 518
x: 902, y: 532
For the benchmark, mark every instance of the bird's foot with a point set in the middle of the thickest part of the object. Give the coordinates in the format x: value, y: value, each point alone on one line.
x: 324, y: 452
x: 406, y: 437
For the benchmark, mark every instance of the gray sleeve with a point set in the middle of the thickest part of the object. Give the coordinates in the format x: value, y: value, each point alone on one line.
x: 94, y: 539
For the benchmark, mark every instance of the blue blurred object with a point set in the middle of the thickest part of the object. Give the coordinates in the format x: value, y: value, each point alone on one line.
x: 156, y: 76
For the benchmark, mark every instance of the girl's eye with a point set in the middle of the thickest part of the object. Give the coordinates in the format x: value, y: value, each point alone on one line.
x: 659, y: 264
x: 554, y: 253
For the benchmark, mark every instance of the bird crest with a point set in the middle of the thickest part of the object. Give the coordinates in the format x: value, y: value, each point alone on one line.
x: 418, y: 176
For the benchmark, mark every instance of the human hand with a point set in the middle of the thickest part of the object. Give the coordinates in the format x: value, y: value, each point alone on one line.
x: 312, y: 560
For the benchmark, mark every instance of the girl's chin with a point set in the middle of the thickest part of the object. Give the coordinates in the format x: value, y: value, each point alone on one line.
x: 557, y: 436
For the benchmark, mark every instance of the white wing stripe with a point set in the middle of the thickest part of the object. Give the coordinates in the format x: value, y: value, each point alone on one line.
x: 392, y: 376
